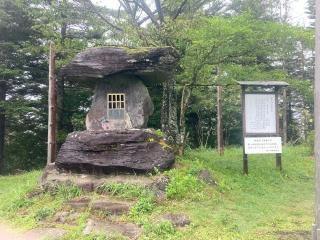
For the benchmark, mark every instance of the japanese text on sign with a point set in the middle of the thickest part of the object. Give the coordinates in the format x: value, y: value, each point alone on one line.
x: 257, y: 145
x: 260, y: 113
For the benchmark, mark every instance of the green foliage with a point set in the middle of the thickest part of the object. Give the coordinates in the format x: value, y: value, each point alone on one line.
x: 128, y: 191
x: 310, y: 142
x: 43, y: 213
x: 159, y: 133
x: 162, y: 230
x: 219, y: 50
x: 184, y: 184
x: 66, y: 192
x: 144, y: 205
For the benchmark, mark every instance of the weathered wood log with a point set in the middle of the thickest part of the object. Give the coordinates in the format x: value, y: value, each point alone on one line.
x: 114, y: 151
x: 150, y: 64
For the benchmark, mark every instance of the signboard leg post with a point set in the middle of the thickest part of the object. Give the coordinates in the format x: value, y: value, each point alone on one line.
x: 245, y: 156
x: 245, y: 164
x: 279, y: 161
x: 285, y: 117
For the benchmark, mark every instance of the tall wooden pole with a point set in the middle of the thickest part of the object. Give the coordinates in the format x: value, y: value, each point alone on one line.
x: 245, y: 156
x: 219, y: 121
x: 52, y: 108
x: 285, y: 117
x: 316, y: 226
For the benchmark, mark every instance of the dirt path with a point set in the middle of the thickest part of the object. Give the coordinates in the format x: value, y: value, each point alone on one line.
x: 8, y: 233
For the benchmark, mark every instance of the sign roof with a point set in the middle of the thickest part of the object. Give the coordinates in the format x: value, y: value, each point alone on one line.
x: 263, y: 83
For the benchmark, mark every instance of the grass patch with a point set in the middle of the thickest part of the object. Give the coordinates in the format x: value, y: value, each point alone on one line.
x: 263, y: 205
x: 127, y: 191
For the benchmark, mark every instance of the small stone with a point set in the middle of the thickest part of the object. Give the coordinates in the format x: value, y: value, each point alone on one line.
x: 79, y: 203
x: 113, y: 208
x: 206, y: 176
x: 159, y: 187
x: 66, y: 217
x: 34, y: 193
x: 129, y: 230
x: 61, y: 217
x: 87, y: 186
x: 178, y: 220
x: 161, y: 183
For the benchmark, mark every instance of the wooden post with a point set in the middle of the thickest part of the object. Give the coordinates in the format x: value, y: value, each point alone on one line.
x: 316, y: 226
x: 219, y: 121
x: 278, y: 155
x: 245, y: 164
x: 52, y: 108
x: 279, y: 161
x: 285, y: 117
x: 245, y: 156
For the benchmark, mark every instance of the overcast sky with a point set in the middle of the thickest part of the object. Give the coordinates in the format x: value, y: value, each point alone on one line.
x: 298, y: 9
x: 298, y: 13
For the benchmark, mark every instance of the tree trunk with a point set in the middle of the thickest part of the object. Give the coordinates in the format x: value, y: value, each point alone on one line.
x: 60, y: 103
x: 52, y: 108
x: 3, y: 89
x: 219, y: 121
x: 186, y: 92
x: 289, y: 115
x: 169, y: 111
x: 60, y: 84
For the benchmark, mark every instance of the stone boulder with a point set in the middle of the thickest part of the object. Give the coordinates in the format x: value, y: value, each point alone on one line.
x: 112, y: 229
x: 150, y: 64
x: 138, y: 104
x: 134, y: 151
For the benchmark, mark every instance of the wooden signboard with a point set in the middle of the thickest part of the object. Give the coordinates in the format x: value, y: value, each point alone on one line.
x: 260, y: 120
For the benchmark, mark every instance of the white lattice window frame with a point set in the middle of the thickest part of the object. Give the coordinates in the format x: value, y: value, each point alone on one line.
x: 116, y: 105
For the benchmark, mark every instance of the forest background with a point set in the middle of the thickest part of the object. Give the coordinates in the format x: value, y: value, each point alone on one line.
x: 220, y: 42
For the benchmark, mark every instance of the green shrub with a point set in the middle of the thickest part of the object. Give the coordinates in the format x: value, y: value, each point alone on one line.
x: 67, y: 192
x: 145, y: 205
x: 163, y: 230
x: 20, y: 203
x: 43, y: 213
x: 159, y: 133
x: 184, y: 185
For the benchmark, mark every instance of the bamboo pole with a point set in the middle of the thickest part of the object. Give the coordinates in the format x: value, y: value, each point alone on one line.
x: 219, y: 121
x: 52, y: 108
x: 316, y: 226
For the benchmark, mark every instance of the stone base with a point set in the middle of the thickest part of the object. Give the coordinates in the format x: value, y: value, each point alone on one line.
x: 134, y: 151
x: 53, y: 177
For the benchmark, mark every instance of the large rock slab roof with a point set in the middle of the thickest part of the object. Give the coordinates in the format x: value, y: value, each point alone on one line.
x: 149, y: 64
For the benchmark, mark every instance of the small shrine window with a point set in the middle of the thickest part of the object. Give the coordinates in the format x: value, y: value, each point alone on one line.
x: 116, y: 106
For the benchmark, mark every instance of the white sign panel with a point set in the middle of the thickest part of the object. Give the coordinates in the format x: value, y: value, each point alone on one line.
x: 257, y: 145
x: 260, y: 113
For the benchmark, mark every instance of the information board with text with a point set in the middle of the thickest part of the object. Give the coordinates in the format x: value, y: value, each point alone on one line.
x: 262, y: 145
x: 260, y: 113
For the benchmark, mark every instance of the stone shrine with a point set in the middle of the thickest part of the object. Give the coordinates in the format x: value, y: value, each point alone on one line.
x: 117, y: 138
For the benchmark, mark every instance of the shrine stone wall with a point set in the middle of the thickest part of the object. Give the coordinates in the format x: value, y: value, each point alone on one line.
x: 138, y: 104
